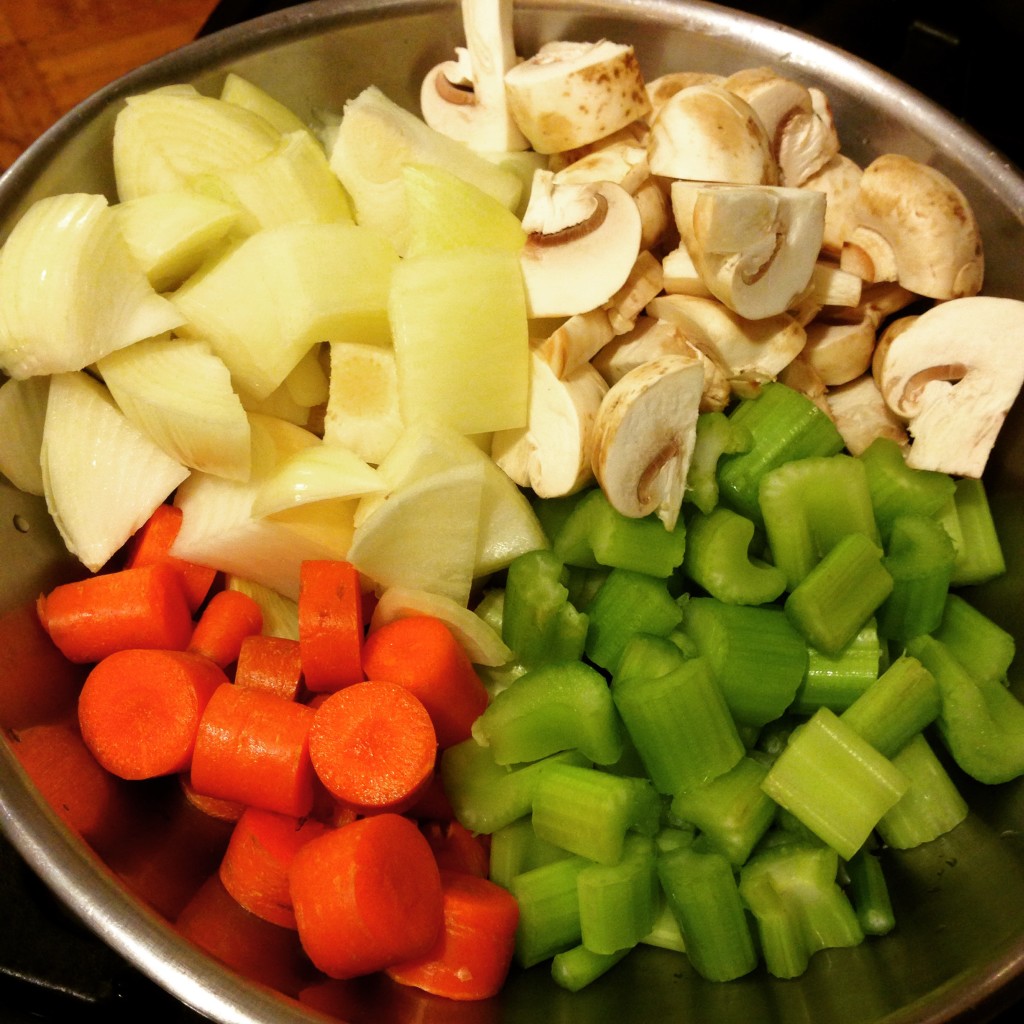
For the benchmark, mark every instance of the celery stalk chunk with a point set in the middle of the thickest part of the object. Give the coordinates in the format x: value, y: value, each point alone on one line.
x: 834, y: 782
x: 618, y: 902
x: 717, y: 435
x: 979, y: 553
x: 549, y: 910
x: 869, y: 893
x: 982, y: 646
x: 574, y: 969
x: 836, y: 680
x: 516, y: 848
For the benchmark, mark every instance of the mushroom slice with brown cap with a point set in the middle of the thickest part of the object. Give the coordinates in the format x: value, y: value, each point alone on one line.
x: 551, y: 454
x: 953, y: 375
x: 644, y: 437
x: 576, y: 341
x: 839, y: 351
x: 660, y: 90
x: 914, y: 226
x: 465, y: 98
x: 860, y: 414
x: 624, y: 162
x: 839, y: 179
x: 657, y: 228
x: 679, y: 275
x: 643, y: 284
x: 754, y: 246
x: 582, y: 242
x: 706, y: 133
x: 569, y: 94
x: 634, y: 134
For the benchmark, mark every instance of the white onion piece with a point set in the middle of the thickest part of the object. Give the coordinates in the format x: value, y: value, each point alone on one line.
x: 280, y: 613
x: 480, y: 641
x: 102, y: 476
x: 22, y: 413
x: 179, y: 393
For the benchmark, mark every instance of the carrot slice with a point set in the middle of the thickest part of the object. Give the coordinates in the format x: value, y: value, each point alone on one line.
x: 271, y: 663
x: 456, y: 848
x: 144, y: 607
x: 152, y: 543
x: 253, y: 747
x: 373, y: 746
x: 139, y: 710
x: 227, y: 620
x: 471, y: 956
x: 256, y: 862
x: 331, y: 624
x: 366, y: 895
x: 221, y: 810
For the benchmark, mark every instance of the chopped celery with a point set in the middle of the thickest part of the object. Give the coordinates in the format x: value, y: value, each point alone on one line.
x: 984, y: 648
x: 549, y: 910
x: 718, y: 559
x: 665, y: 933
x: 577, y: 967
x: 836, y: 680
x: 516, y: 848
x: 553, y: 512
x: 554, y: 707
x: 869, y: 893
x: 619, y: 902
x: 835, y: 782
x: 979, y: 556
x: 717, y: 435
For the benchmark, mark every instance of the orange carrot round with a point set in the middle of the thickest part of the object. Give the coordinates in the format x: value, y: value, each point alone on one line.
x: 256, y: 862
x: 366, y: 896
x: 271, y: 663
x: 373, y: 746
x: 471, y: 956
x: 253, y: 747
x: 144, y: 607
x: 331, y: 624
x: 221, y: 810
x: 139, y: 710
x: 456, y: 848
x: 226, y: 621
x: 422, y: 654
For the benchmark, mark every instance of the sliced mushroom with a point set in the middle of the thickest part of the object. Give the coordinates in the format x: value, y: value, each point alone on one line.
x: 576, y: 341
x: 754, y: 246
x: 624, y: 162
x: 680, y: 276
x: 465, y: 98
x: 582, y: 243
x: 551, y: 454
x: 953, y: 375
x: 861, y: 415
x: 569, y: 94
x: 914, y: 226
x: 832, y: 286
x: 839, y: 179
x: 644, y: 437
x: 655, y: 215
x: 706, y: 133
x: 839, y: 352
x: 663, y: 88
x: 885, y: 339
x: 801, y: 376
x: 643, y: 284
x: 634, y: 134
x: 648, y: 339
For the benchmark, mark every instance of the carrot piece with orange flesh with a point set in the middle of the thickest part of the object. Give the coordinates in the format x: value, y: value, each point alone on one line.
x: 373, y: 746
x: 331, y: 624
x: 471, y: 956
x: 213, y: 807
x: 152, y: 543
x: 456, y: 848
x: 422, y: 654
x: 256, y: 862
x: 143, y: 607
x: 225, y: 622
x: 271, y: 663
x: 139, y: 710
x: 253, y: 747
x: 366, y: 896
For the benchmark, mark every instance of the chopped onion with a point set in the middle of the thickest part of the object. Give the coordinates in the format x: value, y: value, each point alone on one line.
x: 22, y: 414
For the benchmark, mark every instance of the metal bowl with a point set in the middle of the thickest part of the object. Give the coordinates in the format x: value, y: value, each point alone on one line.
x: 958, y: 950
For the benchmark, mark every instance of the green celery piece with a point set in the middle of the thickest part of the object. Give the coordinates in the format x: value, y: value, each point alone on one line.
x: 669, y: 837
x: 717, y: 435
x: 665, y: 933
x: 836, y: 680
x: 718, y: 559
x: 583, y: 584
x: 675, y: 715
x: 516, y: 848
x: 552, y: 512
x: 574, y: 969
x: 732, y: 811
x: 755, y: 655
x: 619, y: 902
x: 798, y: 906
x: 809, y: 505
x: 834, y: 782
x: 920, y: 559
x: 898, y: 705
x: 549, y: 910
x: 701, y: 890
x: 930, y: 808
x: 834, y: 600
x: 627, y: 603
x: 980, y: 721
x: 982, y: 646
x: 486, y: 796
x: 785, y: 425
x: 979, y: 556
x: 596, y: 535
x: 564, y: 706
x: 588, y: 812
x: 539, y: 623
x: 869, y: 893
x: 898, y: 489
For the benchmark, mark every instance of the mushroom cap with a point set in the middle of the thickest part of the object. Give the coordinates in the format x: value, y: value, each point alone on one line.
x: 840, y: 352
x: 861, y: 415
x: 839, y: 179
x: 663, y: 88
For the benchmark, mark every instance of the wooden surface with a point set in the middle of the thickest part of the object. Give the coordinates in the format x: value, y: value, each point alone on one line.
x: 54, y: 53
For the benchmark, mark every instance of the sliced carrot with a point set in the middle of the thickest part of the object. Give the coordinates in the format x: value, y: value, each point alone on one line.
x: 373, y: 746
x: 152, y: 543
x: 37, y: 683
x: 139, y: 710
x: 271, y: 663
x: 255, y: 865
x: 222, y: 810
x: 422, y: 654
x: 456, y: 848
x: 253, y: 747
x: 225, y: 622
x: 366, y: 896
x: 331, y: 624
x: 144, y: 607
x: 471, y: 956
